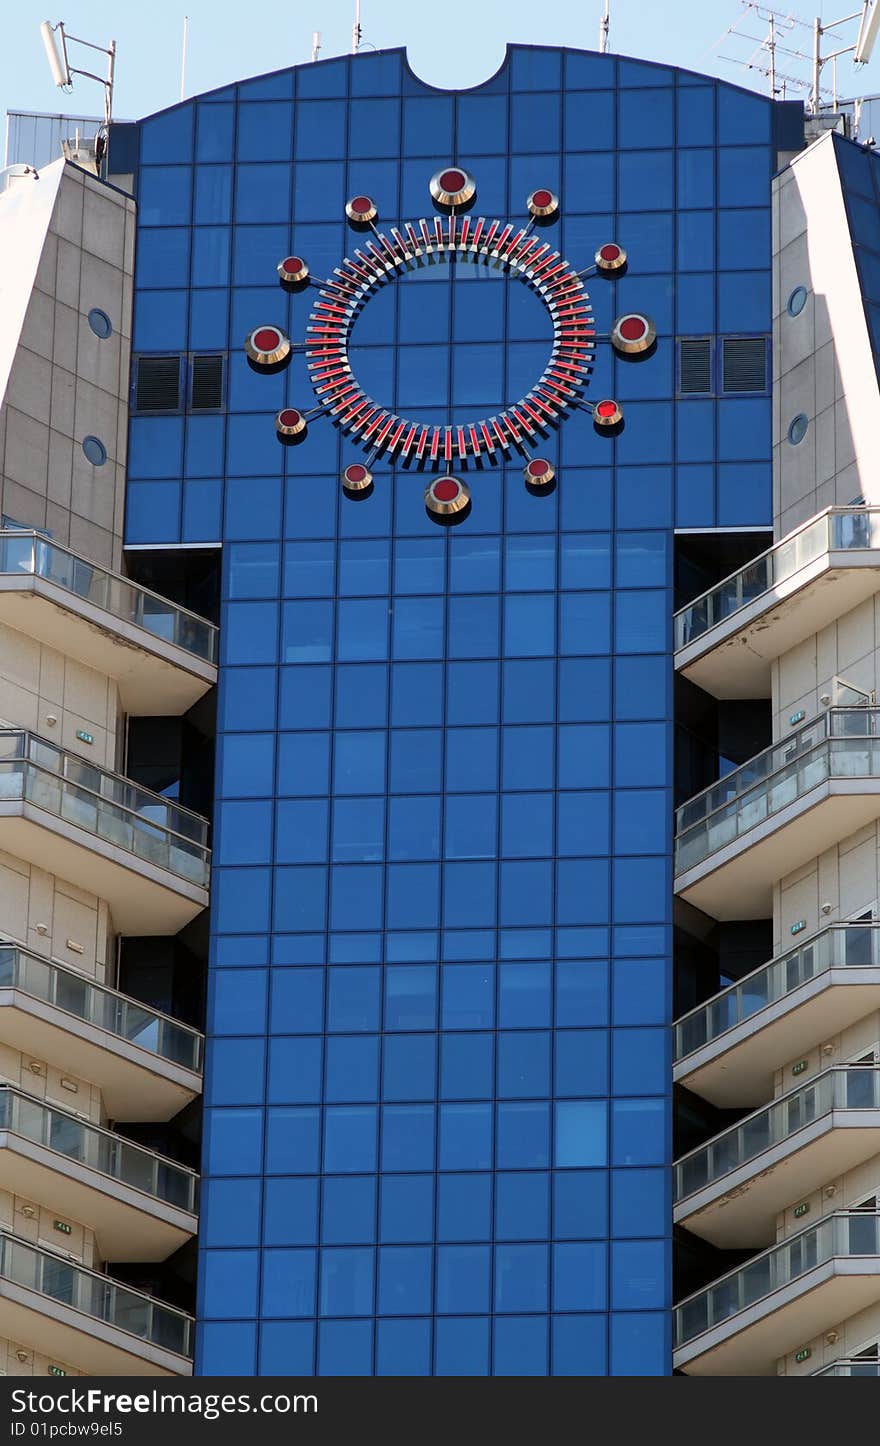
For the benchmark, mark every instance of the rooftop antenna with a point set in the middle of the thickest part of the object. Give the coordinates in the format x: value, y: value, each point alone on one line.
x: 861, y: 51
x: 604, y: 28
x: 356, y: 31
x: 183, y: 57
x: 62, y: 70
x: 316, y: 44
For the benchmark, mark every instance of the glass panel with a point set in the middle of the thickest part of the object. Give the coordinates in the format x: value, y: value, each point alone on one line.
x: 102, y: 1007
x: 840, y: 529
x: 32, y: 555
x: 95, y: 1295
x: 99, y: 1149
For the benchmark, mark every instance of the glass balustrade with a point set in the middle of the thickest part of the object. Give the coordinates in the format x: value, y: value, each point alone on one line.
x: 30, y: 554
x: 106, y: 804
x: 843, y: 1087
x: 844, y: 1234
x: 850, y: 1366
x: 95, y: 1295
x: 95, y: 1004
x: 840, y: 529
x: 841, y: 743
x: 837, y: 947
x: 99, y: 1149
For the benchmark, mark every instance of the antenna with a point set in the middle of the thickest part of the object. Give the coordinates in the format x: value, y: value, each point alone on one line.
x: 604, y: 28
x: 183, y: 57
x: 57, y: 59
x: 868, y: 32
x: 356, y: 30
x: 62, y: 70
x: 316, y: 44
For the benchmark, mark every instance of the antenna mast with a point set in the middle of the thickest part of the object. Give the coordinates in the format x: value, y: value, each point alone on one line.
x: 316, y: 44
x: 356, y: 29
x: 604, y: 28
x: 183, y: 58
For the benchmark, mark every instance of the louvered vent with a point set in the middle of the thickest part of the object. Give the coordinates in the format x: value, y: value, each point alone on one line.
x: 157, y: 384
x: 695, y: 365
x: 744, y: 364
x: 207, y: 383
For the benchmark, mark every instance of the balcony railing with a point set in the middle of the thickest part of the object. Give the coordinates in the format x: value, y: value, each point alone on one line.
x: 843, y: 1087
x: 850, y: 1366
x: 105, y: 1008
x: 142, y: 822
x: 98, y: 1149
x: 29, y: 553
x: 839, y: 529
x: 837, y: 947
x: 844, y: 1234
x: 95, y: 1295
x: 840, y: 743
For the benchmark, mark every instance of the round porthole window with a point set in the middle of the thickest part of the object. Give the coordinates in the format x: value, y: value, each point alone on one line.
x: 797, y: 428
x: 797, y: 301
x: 100, y: 323
x: 95, y: 451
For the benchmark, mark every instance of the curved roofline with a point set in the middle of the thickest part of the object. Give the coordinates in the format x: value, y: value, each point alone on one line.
x: 462, y: 90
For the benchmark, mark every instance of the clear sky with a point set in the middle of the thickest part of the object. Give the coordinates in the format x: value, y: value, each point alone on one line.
x: 454, y: 43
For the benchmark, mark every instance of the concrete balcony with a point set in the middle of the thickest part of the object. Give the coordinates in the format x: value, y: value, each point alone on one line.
x: 726, y: 639
x: 162, y: 657
x: 778, y: 811
x: 850, y: 1366
x: 92, y: 1322
x: 728, y: 1049
x: 140, y: 1205
x: 144, y: 854
x: 744, y: 1322
x: 731, y: 1190
x: 146, y: 1064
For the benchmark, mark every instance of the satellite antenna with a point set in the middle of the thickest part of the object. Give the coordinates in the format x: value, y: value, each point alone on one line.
x: 63, y: 71
x: 604, y: 28
x: 868, y: 32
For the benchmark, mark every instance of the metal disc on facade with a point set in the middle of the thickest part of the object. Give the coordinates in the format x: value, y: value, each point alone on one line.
x: 267, y: 346
x: 361, y: 209
x: 633, y: 333
x: 539, y: 472
x: 293, y: 271
x: 543, y: 204
x: 453, y: 186
x: 357, y: 477
x: 610, y: 257
x: 290, y: 422
x: 446, y: 496
x: 607, y: 413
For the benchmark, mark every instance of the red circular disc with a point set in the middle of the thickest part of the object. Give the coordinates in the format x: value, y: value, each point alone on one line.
x: 542, y: 197
x: 538, y: 468
x: 357, y: 472
x: 361, y: 205
x: 453, y: 180
x: 292, y: 264
x: 289, y: 417
x: 609, y: 252
x: 633, y: 328
x: 606, y: 409
x: 446, y: 490
x: 267, y: 338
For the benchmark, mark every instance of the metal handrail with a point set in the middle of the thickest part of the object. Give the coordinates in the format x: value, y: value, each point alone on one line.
x: 98, y: 1149
x: 66, y: 989
x: 28, y: 552
x: 841, y: 1087
x: 825, y: 532
x: 848, y: 1233
x: 851, y: 945
x: 95, y: 1295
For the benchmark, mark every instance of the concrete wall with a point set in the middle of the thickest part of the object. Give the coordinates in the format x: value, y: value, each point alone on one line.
x: 64, y: 383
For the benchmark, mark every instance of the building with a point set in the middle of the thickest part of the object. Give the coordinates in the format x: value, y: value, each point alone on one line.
x: 249, y: 379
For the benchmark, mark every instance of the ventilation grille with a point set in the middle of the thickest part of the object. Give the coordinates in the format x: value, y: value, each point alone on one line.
x: 207, y: 383
x: 157, y: 384
x: 744, y: 364
x: 695, y: 365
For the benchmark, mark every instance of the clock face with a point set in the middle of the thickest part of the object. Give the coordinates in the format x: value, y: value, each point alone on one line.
x: 453, y: 238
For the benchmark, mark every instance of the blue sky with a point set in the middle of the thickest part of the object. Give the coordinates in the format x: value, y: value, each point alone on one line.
x: 455, y: 43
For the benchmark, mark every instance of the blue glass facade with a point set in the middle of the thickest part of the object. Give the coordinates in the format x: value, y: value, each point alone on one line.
x: 437, y: 1123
